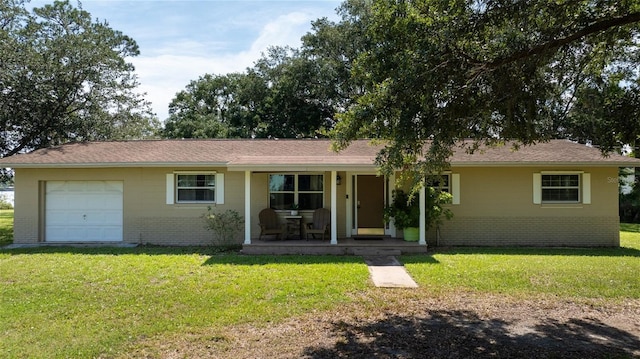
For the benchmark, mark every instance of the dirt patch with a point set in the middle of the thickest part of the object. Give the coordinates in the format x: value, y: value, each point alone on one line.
x: 401, y: 323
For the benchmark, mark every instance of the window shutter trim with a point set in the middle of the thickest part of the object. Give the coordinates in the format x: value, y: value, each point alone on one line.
x: 586, y: 188
x: 219, y: 188
x: 170, y: 188
x: 455, y: 188
x: 537, y: 188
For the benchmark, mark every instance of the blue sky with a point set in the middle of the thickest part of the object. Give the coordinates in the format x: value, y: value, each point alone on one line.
x: 182, y: 40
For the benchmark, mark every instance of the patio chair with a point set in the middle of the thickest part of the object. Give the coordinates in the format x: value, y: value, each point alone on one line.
x: 320, y: 224
x: 269, y: 224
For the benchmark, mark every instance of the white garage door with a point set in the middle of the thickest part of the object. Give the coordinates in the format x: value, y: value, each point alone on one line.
x: 83, y: 211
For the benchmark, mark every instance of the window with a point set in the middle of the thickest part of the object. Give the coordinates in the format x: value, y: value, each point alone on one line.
x: 439, y: 181
x: 192, y: 188
x: 195, y: 187
x: 560, y: 188
x: 306, y: 190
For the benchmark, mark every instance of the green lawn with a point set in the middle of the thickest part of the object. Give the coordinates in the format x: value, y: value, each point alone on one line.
x: 574, y: 273
x: 87, y: 302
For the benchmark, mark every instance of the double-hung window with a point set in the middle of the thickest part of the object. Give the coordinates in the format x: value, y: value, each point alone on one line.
x: 195, y: 187
x: 562, y: 187
x: 305, y: 190
x: 191, y: 188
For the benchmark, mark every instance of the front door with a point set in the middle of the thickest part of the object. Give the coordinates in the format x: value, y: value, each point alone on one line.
x: 369, y: 205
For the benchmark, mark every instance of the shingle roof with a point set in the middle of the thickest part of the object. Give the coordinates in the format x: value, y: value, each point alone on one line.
x: 256, y: 154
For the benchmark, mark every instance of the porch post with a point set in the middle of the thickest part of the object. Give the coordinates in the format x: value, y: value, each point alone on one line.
x: 423, y: 221
x: 334, y: 208
x: 247, y: 207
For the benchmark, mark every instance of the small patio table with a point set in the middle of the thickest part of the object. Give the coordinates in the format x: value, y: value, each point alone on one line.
x: 294, y: 223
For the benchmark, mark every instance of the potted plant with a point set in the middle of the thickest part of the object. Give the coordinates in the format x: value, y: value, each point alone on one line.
x: 405, y: 213
x: 294, y: 209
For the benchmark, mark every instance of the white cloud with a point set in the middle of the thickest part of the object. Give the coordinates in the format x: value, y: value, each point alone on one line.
x: 166, y: 73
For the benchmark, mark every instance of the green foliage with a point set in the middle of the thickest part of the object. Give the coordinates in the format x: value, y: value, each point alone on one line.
x: 4, y: 203
x: 405, y: 209
x: 278, y: 97
x: 6, y: 226
x: 436, y: 72
x: 64, y: 77
x: 606, y: 112
x: 435, y: 198
x: 629, y: 203
x: 226, y: 226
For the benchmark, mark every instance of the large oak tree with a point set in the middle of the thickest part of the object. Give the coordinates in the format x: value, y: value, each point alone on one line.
x: 65, y: 77
x: 436, y: 72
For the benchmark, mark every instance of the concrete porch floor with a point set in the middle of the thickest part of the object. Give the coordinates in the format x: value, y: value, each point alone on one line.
x: 345, y: 246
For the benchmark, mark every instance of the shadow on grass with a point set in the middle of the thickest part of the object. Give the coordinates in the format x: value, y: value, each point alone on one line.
x: 6, y: 236
x: 541, y: 251
x: 463, y: 334
x: 215, y: 256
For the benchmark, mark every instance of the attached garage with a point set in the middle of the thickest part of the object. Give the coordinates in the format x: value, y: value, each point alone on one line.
x: 83, y: 211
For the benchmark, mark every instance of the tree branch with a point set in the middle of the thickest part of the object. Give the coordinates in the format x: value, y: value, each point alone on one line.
x: 595, y: 27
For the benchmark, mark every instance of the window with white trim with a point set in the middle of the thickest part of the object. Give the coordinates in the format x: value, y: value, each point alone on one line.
x: 560, y: 188
x: 195, y: 188
x: 306, y: 190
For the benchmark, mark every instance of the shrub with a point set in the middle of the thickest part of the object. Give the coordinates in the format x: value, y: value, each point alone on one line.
x: 4, y: 203
x: 226, y: 227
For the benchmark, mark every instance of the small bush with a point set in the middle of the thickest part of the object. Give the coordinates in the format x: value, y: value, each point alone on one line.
x: 226, y: 227
x: 4, y: 202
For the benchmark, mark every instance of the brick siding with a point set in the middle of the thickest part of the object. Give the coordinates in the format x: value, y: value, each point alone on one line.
x: 529, y: 231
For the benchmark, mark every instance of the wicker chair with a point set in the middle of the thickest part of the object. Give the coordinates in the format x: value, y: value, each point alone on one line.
x: 320, y: 225
x: 269, y: 224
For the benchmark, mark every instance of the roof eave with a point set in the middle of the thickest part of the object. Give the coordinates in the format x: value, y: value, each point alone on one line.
x: 116, y: 165
x: 545, y: 164
x: 302, y: 167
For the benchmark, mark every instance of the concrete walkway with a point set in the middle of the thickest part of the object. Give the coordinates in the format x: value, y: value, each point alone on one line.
x: 388, y: 272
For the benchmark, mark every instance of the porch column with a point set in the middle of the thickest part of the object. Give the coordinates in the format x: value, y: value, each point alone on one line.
x: 334, y: 208
x: 247, y: 207
x: 423, y: 221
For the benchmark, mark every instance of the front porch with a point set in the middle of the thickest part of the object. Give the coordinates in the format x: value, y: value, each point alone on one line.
x: 355, y: 206
x: 344, y: 246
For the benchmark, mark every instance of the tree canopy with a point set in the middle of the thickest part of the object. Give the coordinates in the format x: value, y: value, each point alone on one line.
x: 437, y: 72
x: 281, y: 96
x: 64, y: 77
x: 419, y: 76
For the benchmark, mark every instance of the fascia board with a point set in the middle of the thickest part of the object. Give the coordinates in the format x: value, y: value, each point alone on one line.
x: 545, y: 164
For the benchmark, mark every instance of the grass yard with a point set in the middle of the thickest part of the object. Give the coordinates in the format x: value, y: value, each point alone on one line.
x: 96, y: 302
x: 87, y: 302
x: 610, y: 273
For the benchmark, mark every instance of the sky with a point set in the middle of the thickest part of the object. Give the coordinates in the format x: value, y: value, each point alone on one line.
x: 182, y: 40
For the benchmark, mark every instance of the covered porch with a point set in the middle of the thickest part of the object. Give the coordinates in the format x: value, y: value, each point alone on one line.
x: 348, y: 195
